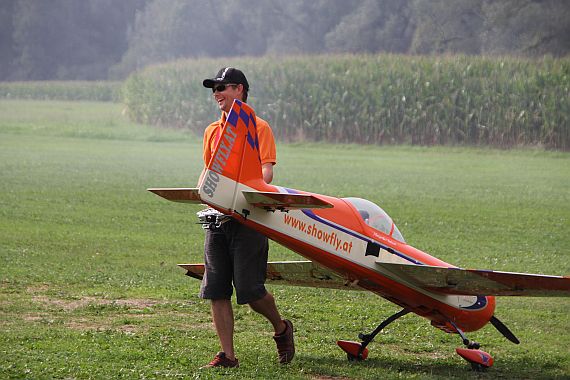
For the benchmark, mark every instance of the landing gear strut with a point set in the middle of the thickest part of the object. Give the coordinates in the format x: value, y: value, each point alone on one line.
x: 356, y: 351
x: 479, y: 360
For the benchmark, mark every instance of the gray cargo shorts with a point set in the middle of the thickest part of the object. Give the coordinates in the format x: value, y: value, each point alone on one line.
x: 234, y: 253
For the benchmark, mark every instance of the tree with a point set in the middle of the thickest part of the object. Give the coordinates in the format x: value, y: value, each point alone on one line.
x: 170, y: 29
x: 527, y: 27
x: 100, y: 39
x: 301, y: 26
x: 7, y: 51
x: 68, y: 39
x: 447, y: 26
x: 373, y: 26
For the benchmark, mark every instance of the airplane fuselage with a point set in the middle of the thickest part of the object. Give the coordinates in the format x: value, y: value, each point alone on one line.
x: 338, y: 239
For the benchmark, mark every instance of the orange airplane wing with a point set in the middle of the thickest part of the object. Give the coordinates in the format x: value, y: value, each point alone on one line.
x: 284, y: 201
x: 481, y: 282
x: 297, y: 273
x: 184, y: 195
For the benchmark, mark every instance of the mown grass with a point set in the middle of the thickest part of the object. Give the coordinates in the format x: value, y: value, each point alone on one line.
x: 102, y: 91
x: 89, y: 283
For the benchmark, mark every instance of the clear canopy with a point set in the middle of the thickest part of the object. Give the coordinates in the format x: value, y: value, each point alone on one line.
x: 375, y: 217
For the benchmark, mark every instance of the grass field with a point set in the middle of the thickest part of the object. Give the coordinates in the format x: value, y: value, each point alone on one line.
x: 89, y: 286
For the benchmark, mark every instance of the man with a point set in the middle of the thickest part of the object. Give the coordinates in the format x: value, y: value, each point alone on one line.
x: 234, y: 253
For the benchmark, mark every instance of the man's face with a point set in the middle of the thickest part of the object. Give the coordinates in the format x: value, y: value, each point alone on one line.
x: 225, y: 95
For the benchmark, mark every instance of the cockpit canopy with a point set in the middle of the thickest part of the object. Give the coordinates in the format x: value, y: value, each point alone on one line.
x: 375, y: 217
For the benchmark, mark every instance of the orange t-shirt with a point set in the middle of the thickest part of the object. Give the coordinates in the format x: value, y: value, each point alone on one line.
x: 267, y: 150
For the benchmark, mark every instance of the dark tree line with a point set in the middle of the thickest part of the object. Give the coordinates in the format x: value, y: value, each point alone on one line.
x: 64, y: 39
x: 101, y: 39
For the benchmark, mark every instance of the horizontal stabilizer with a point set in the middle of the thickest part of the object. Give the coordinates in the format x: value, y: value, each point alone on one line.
x: 297, y: 273
x: 481, y: 282
x: 193, y: 270
x: 184, y: 195
x: 284, y: 201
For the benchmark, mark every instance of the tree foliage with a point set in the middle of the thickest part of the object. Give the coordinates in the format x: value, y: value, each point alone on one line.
x: 373, y: 26
x: 100, y: 39
x: 527, y: 27
x: 68, y: 39
x: 171, y: 29
x: 448, y: 26
x: 7, y: 49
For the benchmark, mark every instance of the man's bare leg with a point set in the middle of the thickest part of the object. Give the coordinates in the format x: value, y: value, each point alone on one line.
x: 223, y: 316
x: 266, y: 307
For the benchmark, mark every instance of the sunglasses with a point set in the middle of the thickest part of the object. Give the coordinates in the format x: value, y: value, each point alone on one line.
x: 222, y: 87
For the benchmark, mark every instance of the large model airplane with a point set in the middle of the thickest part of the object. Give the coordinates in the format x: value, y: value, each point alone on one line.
x: 352, y: 244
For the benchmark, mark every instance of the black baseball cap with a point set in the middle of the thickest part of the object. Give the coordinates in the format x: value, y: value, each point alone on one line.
x: 227, y: 75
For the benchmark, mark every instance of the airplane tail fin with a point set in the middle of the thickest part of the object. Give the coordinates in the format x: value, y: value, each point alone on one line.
x: 235, y: 160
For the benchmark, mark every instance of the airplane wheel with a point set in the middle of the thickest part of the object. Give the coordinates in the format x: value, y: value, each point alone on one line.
x: 352, y: 358
x: 478, y: 367
x: 352, y: 350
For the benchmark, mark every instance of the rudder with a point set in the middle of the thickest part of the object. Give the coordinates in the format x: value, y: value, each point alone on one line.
x: 235, y: 159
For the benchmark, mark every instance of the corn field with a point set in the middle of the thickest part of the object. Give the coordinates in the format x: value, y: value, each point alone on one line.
x: 374, y: 99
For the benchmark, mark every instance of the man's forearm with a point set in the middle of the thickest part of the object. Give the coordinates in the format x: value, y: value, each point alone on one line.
x: 267, y: 171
